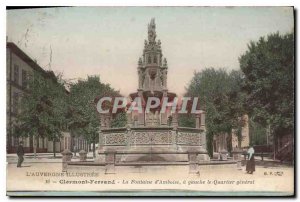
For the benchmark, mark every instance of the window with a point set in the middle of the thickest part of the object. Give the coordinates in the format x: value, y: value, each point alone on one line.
x: 16, y: 74
x: 15, y: 101
x: 24, y: 78
x: 149, y: 59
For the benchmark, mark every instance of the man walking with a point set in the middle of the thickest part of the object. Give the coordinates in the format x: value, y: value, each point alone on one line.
x: 20, y: 153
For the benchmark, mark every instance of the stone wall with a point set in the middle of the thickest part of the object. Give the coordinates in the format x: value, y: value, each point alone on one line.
x: 152, y: 144
x: 152, y: 136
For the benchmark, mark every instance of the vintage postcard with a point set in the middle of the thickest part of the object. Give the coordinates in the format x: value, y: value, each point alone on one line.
x: 150, y: 101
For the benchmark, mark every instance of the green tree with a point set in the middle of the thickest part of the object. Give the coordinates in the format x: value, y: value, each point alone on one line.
x: 120, y: 120
x: 84, y: 118
x: 258, y: 133
x: 219, y: 96
x: 186, y: 120
x: 43, y: 108
x: 230, y: 106
x: 268, y: 66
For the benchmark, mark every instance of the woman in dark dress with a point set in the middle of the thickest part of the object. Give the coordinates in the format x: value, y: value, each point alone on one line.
x: 250, y: 166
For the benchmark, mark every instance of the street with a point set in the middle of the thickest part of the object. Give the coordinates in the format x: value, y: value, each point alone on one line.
x: 44, y: 173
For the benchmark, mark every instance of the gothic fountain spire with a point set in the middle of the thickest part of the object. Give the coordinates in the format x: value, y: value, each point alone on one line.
x: 151, y: 31
x: 152, y: 69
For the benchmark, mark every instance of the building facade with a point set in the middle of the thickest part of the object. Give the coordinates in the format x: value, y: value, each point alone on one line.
x: 18, y: 68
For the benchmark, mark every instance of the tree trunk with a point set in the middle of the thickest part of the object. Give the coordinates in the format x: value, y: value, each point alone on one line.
x: 54, y: 148
x: 229, y: 141
x: 34, y: 152
x: 34, y: 147
x: 209, y: 143
x: 239, y: 135
x: 94, y: 148
x: 275, y: 142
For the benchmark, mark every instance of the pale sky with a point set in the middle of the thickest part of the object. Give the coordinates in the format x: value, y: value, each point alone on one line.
x: 108, y: 41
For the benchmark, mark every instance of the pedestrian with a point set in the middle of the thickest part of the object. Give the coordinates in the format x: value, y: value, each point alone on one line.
x: 20, y: 153
x: 250, y: 166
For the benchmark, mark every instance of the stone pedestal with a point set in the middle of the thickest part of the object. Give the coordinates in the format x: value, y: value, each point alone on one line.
x: 101, y: 140
x: 239, y: 165
x: 110, y: 163
x: 223, y: 155
x: 193, y: 165
x: 66, y: 157
x: 237, y: 156
x: 203, y: 157
x: 82, y: 155
x: 174, y: 123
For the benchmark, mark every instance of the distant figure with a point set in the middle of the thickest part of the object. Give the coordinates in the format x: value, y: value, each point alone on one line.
x: 20, y: 153
x: 250, y: 166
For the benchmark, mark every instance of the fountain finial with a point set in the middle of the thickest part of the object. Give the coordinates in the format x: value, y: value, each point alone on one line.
x: 151, y: 31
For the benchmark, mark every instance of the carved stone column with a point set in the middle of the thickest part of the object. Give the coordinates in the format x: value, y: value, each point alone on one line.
x: 203, y: 140
x: 141, y: 116
x: 198, y: 120
x: 175, y: 119
x: 129, y: 119
x: 104, y: 121
x: 142, y: 78
x: 202, y: 120
x: 164, y: 116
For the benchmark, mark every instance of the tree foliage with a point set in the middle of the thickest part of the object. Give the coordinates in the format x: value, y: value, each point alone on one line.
x: 220, y: 97
x: 186, y: 120
x: 43, y: 108
x: 258, y: 133
x: 268, y: 66
x: 83, y: 116
x: 120, y: 120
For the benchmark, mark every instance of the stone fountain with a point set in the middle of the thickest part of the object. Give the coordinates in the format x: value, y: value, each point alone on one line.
x: 152, y: 137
